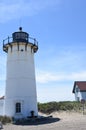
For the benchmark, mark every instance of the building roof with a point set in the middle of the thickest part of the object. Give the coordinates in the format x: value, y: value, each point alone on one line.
x: 2, y: 97
x: 81, y: 85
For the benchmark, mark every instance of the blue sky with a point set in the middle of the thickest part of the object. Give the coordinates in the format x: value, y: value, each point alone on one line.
x: 60, y: 28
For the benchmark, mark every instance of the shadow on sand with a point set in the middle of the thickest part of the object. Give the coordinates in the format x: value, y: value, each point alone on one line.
x: 37, y: 121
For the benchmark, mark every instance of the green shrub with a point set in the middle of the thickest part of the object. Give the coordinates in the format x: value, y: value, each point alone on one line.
x: 58, y: 106
x: 5, y: 119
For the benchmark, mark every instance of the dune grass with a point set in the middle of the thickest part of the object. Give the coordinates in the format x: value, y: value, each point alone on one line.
x: 59, y: 106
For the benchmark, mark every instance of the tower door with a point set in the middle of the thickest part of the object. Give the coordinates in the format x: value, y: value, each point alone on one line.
x: 18, y: 107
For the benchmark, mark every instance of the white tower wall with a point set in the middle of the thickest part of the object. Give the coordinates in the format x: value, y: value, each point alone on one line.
x: 20, y: 81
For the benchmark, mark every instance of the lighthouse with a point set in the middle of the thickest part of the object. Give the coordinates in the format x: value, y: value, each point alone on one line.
x: 20, y: 93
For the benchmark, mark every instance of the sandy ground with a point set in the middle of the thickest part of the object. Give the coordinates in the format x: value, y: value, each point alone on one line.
x: 67, y: 121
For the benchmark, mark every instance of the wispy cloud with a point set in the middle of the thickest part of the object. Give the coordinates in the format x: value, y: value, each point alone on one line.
x: 62, y: 93
x: 45, y: 77
x: 19, y: 8
x: 66, y: 64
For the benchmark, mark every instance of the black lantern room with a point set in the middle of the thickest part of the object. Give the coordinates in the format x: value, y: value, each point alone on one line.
x: 20, y: 36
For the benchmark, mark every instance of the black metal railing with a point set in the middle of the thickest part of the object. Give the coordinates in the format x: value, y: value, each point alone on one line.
x: 9, y: 40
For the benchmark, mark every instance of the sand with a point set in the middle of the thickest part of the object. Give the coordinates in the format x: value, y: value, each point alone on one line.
x: 60, y: 121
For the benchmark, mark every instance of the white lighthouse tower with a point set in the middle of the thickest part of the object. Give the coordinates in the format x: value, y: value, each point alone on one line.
x: 20, y: 94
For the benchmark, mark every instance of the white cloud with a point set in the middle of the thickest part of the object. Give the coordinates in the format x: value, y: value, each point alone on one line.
x: 65, y: 58
x: 19, y: 8
x: 45, y: 77
x: 54, y: 94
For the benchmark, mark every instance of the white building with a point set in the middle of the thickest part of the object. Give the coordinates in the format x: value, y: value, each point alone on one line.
x: 20, y: 94
x: 1, y: 105
x: 79, y: 89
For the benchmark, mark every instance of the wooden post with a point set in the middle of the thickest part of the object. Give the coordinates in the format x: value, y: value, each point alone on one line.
x: 83, y: 102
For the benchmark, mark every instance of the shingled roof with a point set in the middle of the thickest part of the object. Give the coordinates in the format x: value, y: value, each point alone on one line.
x: 81, y: 85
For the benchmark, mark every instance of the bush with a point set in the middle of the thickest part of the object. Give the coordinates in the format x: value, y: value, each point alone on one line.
x: 5, y: 119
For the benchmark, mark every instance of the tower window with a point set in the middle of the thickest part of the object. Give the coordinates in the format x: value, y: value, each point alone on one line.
x: 18, y: 107
x: 22, y: 50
